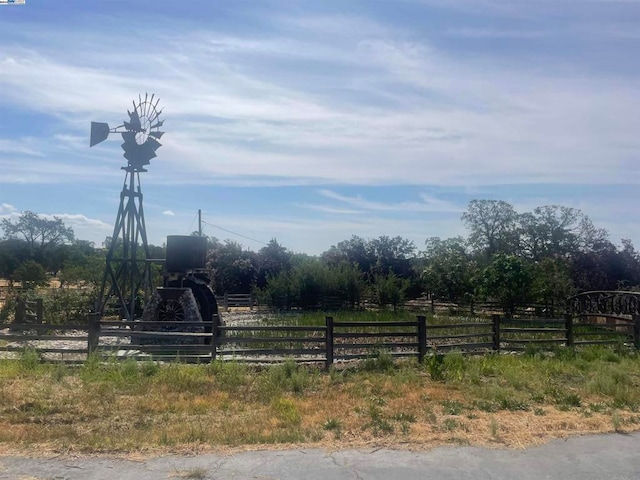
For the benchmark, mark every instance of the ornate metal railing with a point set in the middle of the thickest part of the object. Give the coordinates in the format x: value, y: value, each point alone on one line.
x: 604, y: 303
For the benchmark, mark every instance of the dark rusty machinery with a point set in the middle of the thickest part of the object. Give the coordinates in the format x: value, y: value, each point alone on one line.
x: 186, y: 295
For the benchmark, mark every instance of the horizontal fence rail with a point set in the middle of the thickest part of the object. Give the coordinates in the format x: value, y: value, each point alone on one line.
x: 357, y: 340
x: 335, y: 341
x: 66, y: 343
x: 270, y: 343
x: 245, y: 300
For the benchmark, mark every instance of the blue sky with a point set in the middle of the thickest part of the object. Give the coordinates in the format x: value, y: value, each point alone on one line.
x: 311, y: 121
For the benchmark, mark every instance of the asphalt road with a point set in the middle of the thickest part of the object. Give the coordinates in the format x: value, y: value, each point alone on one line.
x: 613, y: 457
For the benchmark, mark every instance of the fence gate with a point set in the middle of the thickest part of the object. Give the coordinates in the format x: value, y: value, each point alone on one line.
x: 29, y: 311
x: 605, y: 317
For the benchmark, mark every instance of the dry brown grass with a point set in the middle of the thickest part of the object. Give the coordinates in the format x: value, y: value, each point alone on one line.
x: 132, y: 408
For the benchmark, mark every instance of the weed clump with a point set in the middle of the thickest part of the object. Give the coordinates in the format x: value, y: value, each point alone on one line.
x: 288, y: 377
x: 379, y: 361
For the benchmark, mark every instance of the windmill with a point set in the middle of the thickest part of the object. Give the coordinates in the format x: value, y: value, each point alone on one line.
x: 127, y: 267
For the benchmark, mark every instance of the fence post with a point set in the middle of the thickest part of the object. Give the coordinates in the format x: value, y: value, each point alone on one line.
x: 329, y: 342
x: 636, y: 330
x: 226, y: 302
x: 568, y: 325
x: 214, y: 337
x: 93, y: 332
x: 495, y: 318
x: 422, y: 337
x: 433, y: 305
x: 252, y: 300
x: 21, y: 310
x: 39, y: 310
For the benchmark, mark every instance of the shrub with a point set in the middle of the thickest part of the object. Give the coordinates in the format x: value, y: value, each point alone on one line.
x: 390, y: 290
x: 309, y: 284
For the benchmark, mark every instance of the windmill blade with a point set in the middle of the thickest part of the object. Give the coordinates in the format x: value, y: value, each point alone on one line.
x: 152, y: 143
x: 157, y: 135
x: 134, y: 123
x: 129, y: 139
x: 157, y: 125
x: 140, y: 155
x: 143, y: 153
x: 155, y: 115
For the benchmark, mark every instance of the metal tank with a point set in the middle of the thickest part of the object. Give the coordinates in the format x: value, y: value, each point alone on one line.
x: 186, y: 295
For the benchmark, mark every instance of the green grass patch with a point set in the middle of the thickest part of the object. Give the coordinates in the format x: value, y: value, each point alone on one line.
x: 124, y: 405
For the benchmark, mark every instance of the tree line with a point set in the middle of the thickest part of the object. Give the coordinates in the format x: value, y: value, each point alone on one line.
x: 514, y: 258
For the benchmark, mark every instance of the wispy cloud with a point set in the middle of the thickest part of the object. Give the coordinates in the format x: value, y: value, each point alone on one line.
x: 23, y: 146
x: 6, y: 208
x: 469, y: 32
x: 79, y: 220
x: 428, y: 204
x: 332, y: 210
x: 411, y: 113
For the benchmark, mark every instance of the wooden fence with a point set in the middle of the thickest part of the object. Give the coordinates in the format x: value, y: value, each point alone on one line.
x: 66, y: 343
x: 246, y: 300
x: 432, y: 305
x: 531, y: 310
x: 334, y: 341
x: 29, y: 311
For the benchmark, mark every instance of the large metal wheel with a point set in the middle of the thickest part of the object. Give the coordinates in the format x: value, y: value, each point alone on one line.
x: 170, y: 310
x: 205, y: 299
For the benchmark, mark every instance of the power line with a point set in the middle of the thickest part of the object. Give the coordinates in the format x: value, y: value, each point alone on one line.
x: 234, y: 233
x: 192, y: 222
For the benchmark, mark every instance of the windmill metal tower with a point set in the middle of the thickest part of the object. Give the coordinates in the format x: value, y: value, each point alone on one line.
x: 128, y: 270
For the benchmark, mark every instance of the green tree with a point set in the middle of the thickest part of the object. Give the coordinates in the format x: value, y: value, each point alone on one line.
x: 31, y: 275
x: 507, y: 279
x: 604, y: 267
x: 234, y: 269
x: 356, y: 250
x: 630, y: 263
x: 450, y: 270
x: 493, y: 227
x: 392, y: 254
x: 557, y: 231
x: 390, y: 290
x: 13, y: 253
x: 552, y: 282
x: 272, y: 259
x: 37, y: 231
x: 45, y: 238
x: 312, y: 284
x: 376, y: 256
x: 87, y: 271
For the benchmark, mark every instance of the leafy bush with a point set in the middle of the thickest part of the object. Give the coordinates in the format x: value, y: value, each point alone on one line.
x: 390, y: 290
x: 507, y: 279
x: 31, y: 274
x: 378, y: 361
x: 314, y: 285
x: 67, y: 305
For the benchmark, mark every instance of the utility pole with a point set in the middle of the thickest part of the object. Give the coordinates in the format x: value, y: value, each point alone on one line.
x: 199, y: 222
